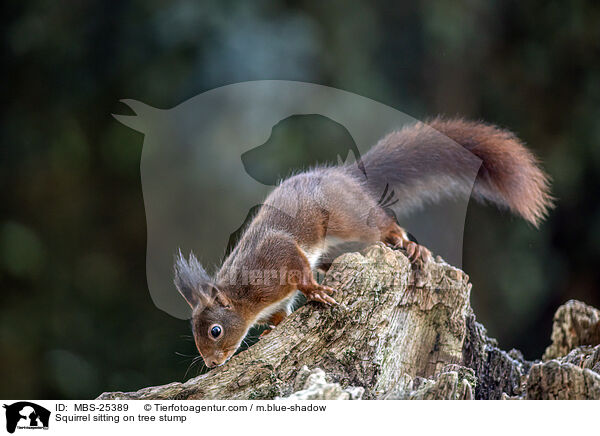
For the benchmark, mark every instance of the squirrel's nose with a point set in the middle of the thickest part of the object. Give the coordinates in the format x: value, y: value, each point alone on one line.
x: 210, y: 363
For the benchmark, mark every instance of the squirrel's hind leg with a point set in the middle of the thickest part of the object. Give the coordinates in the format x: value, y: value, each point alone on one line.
x: 396, y: 237
x: 274, y: 321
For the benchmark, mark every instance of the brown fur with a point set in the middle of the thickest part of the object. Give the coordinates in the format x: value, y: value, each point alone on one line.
x: 428, y: 161
x: 310, y: 209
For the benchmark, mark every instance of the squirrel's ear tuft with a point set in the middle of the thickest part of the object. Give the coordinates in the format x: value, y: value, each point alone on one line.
x: 191, y: 280
x: 222, y: 299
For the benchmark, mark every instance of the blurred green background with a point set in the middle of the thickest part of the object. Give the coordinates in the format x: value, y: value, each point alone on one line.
x: 76, y: 318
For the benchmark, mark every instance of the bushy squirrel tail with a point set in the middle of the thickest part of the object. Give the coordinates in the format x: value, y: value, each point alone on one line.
x: 427, y: 162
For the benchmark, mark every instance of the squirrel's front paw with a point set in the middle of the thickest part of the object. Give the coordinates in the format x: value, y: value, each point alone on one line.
x: 319, y: 293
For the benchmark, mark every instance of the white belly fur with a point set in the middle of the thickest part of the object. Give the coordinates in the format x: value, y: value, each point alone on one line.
x: 286, y: 305
x: 313, y: 254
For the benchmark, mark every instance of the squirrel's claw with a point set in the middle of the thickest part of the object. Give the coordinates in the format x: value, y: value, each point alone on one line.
x: 417, y: 252
x: 320, y: 293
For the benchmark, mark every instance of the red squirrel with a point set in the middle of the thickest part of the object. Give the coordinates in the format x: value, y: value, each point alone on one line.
x: 340, y: 203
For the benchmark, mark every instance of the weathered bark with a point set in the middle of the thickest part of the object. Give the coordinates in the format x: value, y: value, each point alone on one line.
x: 388, y: 339
x: 498, y: 373
x: 571, y: 367
x: 575, y: 324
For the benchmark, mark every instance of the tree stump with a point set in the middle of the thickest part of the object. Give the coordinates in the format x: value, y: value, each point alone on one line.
x: 389, y: 339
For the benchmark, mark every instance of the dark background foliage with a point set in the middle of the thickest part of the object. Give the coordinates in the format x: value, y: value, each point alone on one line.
x: 76, y: 318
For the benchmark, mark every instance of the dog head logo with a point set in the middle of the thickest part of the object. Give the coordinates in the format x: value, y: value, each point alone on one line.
x: 210, y: 160
x: 26, y: 415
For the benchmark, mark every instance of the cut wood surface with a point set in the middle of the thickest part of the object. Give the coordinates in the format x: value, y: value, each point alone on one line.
x: 388, y: 339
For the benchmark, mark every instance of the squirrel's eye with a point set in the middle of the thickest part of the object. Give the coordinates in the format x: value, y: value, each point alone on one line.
x: 215, y: 331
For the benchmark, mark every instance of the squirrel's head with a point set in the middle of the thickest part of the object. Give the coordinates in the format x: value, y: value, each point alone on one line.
x: 217, y: 327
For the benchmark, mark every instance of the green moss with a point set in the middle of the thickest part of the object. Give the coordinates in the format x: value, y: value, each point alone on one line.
x: 348, y: 356
x: 266, y: 393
